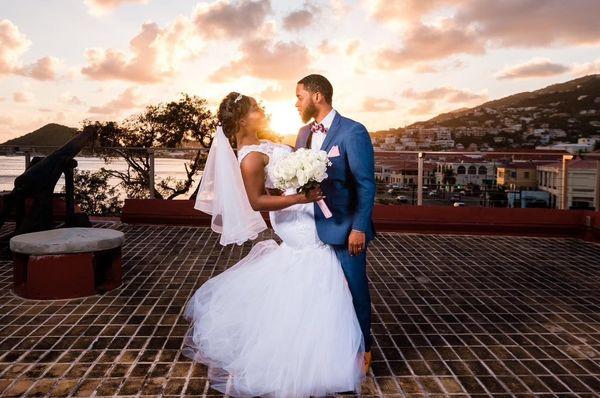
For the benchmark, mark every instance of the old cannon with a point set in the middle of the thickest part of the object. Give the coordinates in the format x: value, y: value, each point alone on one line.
x: 32, y: 196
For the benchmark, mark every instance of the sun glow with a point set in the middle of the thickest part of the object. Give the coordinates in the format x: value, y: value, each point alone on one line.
x: 285, y: 120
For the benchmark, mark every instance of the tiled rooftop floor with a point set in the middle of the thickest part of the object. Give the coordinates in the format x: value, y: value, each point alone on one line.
x: 453, y: 316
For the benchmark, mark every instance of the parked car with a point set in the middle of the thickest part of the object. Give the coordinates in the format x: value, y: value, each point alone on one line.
x: 402, y: 199
x: 455, y: 197
x: 432, y: 194
x: 458, y: 204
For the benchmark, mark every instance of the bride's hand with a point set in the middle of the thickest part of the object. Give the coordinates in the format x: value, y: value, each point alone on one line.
x: 312, y: 195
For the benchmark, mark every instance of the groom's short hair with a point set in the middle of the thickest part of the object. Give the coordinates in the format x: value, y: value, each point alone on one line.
x: 318, y: 84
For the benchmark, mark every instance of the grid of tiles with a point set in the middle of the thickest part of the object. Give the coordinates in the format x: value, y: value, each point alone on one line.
x: 458, y: 316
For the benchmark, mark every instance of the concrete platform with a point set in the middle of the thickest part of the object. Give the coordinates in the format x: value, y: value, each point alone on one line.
x: 67, y: 240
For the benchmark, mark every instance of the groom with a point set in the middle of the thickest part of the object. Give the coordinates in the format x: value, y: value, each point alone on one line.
x: 349, y: 188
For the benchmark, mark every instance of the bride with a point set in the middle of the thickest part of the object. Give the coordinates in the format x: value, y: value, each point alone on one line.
x: 279, y: 323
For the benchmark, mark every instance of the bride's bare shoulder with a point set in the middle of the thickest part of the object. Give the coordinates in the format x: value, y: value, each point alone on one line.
x: 253, y: 161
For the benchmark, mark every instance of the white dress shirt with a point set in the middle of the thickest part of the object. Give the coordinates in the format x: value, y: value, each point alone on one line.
x: 318, y: 138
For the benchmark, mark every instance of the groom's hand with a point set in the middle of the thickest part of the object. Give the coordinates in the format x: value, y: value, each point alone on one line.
x: 356, y: 242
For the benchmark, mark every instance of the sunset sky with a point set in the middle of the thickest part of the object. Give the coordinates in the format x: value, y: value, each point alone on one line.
x: 391, y: 62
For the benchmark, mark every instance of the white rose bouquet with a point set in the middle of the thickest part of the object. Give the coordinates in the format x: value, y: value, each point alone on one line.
x: 302, y: 170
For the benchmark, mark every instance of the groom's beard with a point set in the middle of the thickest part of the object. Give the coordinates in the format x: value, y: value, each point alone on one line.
x: 309, y: 113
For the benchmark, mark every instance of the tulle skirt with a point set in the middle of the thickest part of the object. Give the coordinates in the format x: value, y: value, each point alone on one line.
x: 280, y: 323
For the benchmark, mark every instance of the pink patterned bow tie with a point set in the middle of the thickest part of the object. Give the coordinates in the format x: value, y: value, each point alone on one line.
x: 318, y: 128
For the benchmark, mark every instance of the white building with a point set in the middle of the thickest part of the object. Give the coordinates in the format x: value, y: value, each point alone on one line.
x: 406, y: 173
x: 403, y: 172
x: 446, y: 144
x: 475, y: 172
x: 443, y: 133
x: 591, y: 141
x: 582, y: 183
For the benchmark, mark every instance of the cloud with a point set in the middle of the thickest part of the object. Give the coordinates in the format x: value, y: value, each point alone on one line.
x: 70, y: 99
x: 448, y: 94
x: 352, y: 47
x: 222, y: 19
x: 527, y: 23
x: 339, y: 8
x: 300, y: 19
x: 587, y: 68
x: 45, y: 68
x: 264, y: 60
x: 426, y: 68
x: 423, y: 108
x: 371, y: 104
x: 283, y: 91
x: 6, y: 120
x: 518, y: 23
x: 155, y: 55
x: 472, y: 26
x: 429, y: 99
x: 538, y: 67
x: 23, y: 96
x: 274, y: 94
x: 326, y: 47
x: 128, y: 99
x: 439, y: 67
x: 542, y: 67
x: 103, y: 7
x: 12, y: 45
x: 429, y: 43
x: 406, y: 10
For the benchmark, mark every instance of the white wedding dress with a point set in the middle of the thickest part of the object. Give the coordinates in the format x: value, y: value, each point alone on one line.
x: 279, y: 323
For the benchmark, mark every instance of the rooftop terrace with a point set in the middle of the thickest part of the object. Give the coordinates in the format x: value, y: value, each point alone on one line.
x: 454, y: 315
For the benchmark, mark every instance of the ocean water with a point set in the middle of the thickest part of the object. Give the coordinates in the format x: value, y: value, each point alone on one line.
x: 13, y: 166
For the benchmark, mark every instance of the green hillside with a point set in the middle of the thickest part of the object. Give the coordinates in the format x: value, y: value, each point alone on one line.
x: 573, y: 106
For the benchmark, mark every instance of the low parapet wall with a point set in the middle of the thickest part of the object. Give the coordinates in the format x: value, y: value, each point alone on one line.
x: 406, y: 218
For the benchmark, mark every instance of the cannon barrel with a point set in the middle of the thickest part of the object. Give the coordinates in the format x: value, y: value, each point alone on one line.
x: 38, y: 182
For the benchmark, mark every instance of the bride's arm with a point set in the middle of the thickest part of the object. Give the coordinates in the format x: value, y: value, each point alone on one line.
x: 253, y: 174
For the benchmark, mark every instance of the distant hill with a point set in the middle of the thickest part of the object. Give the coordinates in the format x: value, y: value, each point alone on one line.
x: 561, y: 112
x: 50, y: 135
x: 573, y: 106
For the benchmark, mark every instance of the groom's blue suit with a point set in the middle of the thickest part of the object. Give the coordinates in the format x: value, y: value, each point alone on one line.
x: 350, y: 195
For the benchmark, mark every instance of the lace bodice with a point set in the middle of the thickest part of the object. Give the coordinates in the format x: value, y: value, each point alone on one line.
x: 272, y: 149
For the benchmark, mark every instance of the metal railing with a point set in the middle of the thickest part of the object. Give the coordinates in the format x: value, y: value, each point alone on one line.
x: 419, y: 157
x: 497, y: 156
x: 28, y: 150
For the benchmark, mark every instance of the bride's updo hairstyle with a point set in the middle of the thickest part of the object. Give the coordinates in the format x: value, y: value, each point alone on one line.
x: 233, y: 107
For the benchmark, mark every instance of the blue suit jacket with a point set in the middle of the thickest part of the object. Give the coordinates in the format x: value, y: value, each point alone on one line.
x: 350, y: 185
